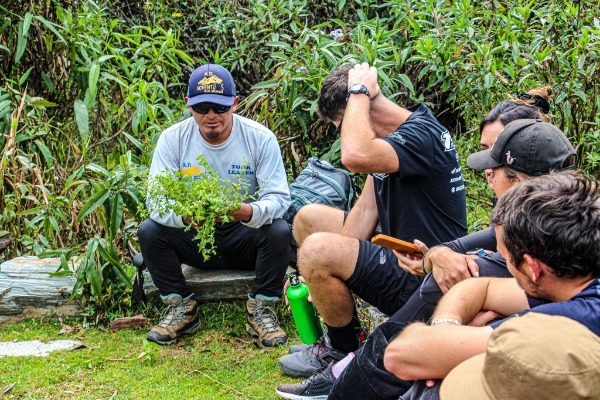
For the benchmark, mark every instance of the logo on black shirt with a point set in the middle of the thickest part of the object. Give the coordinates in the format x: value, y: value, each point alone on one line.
x: 447, y: 141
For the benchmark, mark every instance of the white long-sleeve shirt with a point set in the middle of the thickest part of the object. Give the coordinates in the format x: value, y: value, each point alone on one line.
x: 251, y: 153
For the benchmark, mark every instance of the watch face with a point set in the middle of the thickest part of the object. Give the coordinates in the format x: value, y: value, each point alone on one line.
x: 357, y: 87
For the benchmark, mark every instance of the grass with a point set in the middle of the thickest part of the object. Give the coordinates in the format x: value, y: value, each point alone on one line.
x: 221, y: 361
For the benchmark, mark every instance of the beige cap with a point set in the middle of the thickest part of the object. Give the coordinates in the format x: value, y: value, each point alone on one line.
x: 535, y: 356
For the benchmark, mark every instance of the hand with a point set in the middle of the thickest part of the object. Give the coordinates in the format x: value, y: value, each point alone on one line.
x: 450, y: 267
x: 244, y: 213
x: 412, y: 264
x: 483, y: 318
x: 286, y: 285
x: 365, y: 74
x: 188, y: 220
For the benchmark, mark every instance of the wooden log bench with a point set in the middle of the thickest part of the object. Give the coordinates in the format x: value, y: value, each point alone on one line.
x: 28, y: 291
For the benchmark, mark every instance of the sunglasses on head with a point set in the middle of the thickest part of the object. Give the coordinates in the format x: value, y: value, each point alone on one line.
x: 204, y: 108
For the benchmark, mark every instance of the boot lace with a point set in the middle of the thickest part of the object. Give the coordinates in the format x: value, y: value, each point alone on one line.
x: 265, y: 317
x: 172, y: 315
x: 319, y: 348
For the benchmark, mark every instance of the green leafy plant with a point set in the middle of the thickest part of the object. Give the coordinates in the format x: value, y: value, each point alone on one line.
x: 205, y: 198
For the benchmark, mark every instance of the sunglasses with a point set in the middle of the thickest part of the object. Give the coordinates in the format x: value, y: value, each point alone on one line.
x: 204, y: 108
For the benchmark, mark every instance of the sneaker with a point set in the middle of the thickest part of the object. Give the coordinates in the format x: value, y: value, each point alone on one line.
x: 318, y: 386
x: 181, y: 317
x: 263, y: 323
x: 295, y: 348
x: 314, y: 359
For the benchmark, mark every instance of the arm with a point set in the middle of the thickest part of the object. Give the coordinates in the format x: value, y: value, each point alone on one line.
x: 485, y: 239
x: 273, y: 196
x: 361, y: 150
x: 416, y: 352
x: 466, y: 299
x: 450, y: 264
x: 363, y: 217
x: 164, y: 160
x: 430, y: 352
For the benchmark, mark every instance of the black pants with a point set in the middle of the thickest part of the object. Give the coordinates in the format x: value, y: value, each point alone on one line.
x: 265, y: 249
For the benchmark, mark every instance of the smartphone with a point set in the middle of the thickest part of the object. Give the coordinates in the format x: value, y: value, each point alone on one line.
x: 395, y: 244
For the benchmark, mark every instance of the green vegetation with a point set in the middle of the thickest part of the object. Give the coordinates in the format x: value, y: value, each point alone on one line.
x: 219, y: 362
x: 215, y: 198
x: 88, y: 87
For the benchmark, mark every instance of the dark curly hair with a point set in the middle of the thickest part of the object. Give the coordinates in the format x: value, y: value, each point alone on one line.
x: 556, y: 219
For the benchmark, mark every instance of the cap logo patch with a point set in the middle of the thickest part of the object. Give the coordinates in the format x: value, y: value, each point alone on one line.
x: 211, y: 83
x: 509, y: 159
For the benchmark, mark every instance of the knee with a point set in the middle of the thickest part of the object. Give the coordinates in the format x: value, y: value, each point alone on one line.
x: 313, y: 256
x: 305, y: 217
x: 147, y: 231
x: 279, y: 229
x: 430, y: 291
x: 151, y: 233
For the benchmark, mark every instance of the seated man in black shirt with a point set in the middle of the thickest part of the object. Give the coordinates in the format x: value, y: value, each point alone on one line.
x: 414, y: 190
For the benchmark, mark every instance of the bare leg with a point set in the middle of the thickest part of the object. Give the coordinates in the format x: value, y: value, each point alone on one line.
x: 317, y: 218
x: 326, y: 260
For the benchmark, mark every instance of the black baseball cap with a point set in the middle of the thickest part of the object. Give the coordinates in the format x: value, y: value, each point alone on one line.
x: 530, y: 146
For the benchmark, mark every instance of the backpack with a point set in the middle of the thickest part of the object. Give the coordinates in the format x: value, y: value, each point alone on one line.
x: 321, y: 183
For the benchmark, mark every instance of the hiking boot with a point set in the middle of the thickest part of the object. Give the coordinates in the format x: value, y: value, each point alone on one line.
x: 314, y: 359
x: 263, y: 323
x: 317, y: 387
x: 181, y: 317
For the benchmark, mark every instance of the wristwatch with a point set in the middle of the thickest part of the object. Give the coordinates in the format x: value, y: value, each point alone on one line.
x: 356, y: 88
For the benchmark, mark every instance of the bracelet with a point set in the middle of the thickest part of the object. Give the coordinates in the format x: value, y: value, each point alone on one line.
x: 445, y: 321
x: 423, y: 266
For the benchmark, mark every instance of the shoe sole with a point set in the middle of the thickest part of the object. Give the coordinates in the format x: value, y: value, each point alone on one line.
x: 187, y: 331
x: 290, y: 396
x: 253, y: 333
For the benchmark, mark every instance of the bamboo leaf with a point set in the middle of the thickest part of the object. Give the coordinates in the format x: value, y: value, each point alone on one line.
x: 53, y: 27
x: 21, y: 43
x: 116, y: 215
x: 45, y: 152
x: 93, y: 83
x: 24, y: 77
x: 94, y: 202
x: 82, y: 118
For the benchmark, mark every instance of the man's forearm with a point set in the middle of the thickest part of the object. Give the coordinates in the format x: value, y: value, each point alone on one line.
x: 463, y: 301
x: 430, y: 352
x: 360, y: 223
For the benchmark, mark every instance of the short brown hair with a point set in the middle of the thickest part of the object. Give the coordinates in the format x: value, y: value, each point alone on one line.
x: 554, y: 218
x: 331, y: 102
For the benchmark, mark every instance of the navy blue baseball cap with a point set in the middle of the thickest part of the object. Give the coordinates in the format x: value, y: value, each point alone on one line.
x: 211, y: 83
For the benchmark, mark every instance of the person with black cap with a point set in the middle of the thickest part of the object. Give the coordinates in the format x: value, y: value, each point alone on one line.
x: 257, y: 238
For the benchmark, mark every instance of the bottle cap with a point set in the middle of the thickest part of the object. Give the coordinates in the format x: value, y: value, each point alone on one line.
x: 294, y: 281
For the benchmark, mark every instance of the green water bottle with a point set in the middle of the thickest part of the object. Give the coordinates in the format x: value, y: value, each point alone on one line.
x: 305, y: 315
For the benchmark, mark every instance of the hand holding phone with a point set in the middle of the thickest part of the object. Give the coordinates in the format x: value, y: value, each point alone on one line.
x: 396, y: 244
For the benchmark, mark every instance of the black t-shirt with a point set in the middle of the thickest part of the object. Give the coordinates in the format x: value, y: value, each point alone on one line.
x: 425, y: 199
